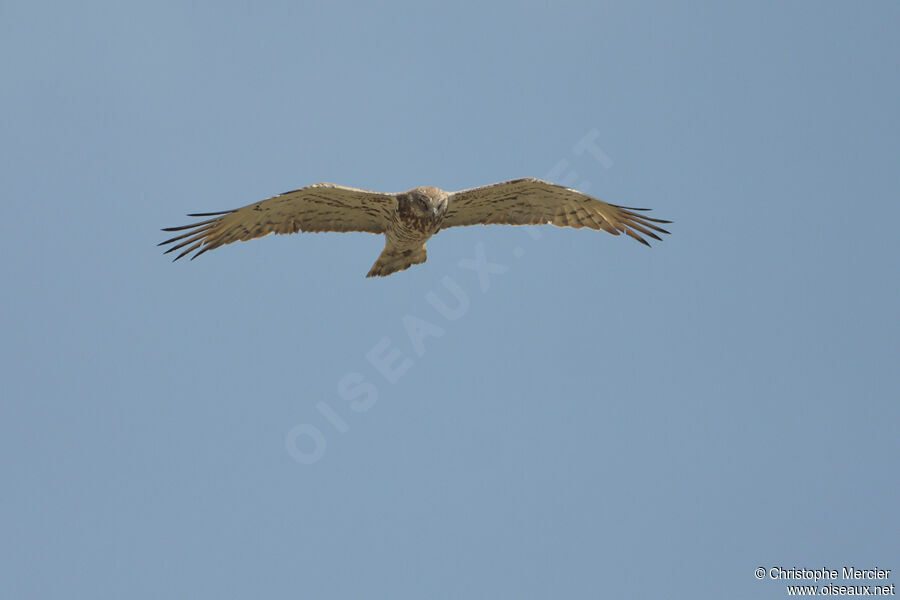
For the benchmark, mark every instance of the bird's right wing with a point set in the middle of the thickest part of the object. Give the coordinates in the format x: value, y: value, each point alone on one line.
x: 318, y: 207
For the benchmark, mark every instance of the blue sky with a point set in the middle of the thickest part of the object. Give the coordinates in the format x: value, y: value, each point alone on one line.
x: 598, y: 419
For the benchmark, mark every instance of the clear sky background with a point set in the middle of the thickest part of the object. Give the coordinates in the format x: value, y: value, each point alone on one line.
x: 599, y: 420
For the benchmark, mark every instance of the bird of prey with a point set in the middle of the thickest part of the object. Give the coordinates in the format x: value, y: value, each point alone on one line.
x: 409, y: 219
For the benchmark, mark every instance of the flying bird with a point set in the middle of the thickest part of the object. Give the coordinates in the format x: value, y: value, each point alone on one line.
x: 409, y: 219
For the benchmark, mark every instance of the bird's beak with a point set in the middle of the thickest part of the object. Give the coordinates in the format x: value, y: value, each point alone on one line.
x: 434, y: 211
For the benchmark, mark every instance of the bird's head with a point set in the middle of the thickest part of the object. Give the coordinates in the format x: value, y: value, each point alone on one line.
x: 425, y: 202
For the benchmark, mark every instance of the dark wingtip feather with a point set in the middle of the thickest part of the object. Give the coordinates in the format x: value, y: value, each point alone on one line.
x: 191, y: 225
x: 199, y: 253
x: 654, y: 219
x: 630, y: 233
x: 176, y: 238
x: 197, y: 233
x: 212, y: 214
x: 183, y: 253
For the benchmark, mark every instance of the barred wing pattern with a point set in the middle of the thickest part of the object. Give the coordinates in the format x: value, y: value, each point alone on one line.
x: 536, y: 202
x: 315, y: 208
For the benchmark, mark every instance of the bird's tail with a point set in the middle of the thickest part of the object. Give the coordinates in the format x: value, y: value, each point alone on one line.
x: 394, y: 259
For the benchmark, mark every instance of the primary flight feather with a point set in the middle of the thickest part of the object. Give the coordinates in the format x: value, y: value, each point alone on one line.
x: 409, y: 219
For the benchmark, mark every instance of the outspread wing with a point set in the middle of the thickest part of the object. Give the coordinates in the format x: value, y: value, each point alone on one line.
x: 318, y: 207
x: 536, y: 202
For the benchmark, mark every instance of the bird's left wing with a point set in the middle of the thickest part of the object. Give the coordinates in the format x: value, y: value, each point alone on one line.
x: 318, y: 207
x: 536, y: 202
